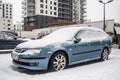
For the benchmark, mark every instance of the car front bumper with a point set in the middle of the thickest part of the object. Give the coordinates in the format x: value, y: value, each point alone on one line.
x: 32, y: 64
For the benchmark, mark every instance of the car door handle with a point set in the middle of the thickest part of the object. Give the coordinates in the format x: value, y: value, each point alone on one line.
x: 88, y: 43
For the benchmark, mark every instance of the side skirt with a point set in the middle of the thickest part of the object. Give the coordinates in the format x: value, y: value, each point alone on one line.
x: 72, y: 63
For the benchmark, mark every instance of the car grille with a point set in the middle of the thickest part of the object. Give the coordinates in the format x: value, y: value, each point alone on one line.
x: 20, y: 50
x: 22, y: 63
x: 25, y: 63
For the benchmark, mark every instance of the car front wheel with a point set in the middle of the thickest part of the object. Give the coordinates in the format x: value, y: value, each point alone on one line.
x: 58, y: 61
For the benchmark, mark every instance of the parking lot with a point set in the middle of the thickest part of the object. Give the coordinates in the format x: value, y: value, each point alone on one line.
x: 95, y: 70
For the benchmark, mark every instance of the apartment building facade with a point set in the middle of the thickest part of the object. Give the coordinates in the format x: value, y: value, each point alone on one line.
x: 39, y: 13
x: 79, y: 11
x: 6, y: 21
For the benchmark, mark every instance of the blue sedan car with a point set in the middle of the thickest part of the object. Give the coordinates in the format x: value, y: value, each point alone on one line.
x: 63, y: 47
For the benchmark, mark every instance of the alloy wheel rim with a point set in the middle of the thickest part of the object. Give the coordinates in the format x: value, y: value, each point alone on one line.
x: 59, y: 62
x: 105, y: 54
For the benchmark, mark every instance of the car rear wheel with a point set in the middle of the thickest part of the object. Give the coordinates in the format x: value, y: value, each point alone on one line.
x: 58, y: 61
x: 105, y: 54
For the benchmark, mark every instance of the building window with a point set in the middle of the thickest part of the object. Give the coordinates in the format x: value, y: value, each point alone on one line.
x: 10, y: 11
x: 46, y: 1
x: 25, y: 3
x: 30, y: 12
x: 46, y: 6
x: 55, y: 13
x: 46, y: 12
x: 51, y: 12
x: 41, y: 6
x: 25, y: 13
x: 41, y: 11
x: 50, y: 7
x: 25, y: 8
x: 8, y: 24
x: 55, y: 8
x: 51, y: 2
x: 8, y: 28
x: 55, y: 3
x: 8, y: 20
x: 41, y: 1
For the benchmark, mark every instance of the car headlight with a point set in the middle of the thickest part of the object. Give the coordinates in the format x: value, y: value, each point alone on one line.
x: 33, y: 51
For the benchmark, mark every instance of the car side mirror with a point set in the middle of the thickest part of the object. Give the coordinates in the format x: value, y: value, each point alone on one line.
x: 15, y: 38
x: 77, y: 40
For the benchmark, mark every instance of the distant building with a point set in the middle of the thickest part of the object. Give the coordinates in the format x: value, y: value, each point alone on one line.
x: 117, y: 36
x: 98, y: 24
x: 79, y: 11
x: 6, y: 21
x: 38, y: 13
x: 18, y: 27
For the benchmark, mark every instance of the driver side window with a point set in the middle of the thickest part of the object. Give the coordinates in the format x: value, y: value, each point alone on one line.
x: 82, y: 35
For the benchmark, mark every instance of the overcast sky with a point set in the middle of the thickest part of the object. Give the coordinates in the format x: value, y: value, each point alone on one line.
x: 94, y: 10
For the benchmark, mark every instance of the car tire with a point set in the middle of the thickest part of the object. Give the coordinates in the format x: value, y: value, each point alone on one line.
x: 58, y: 61
x: 105, y: 54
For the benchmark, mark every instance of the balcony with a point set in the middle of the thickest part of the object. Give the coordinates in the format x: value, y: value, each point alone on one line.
x: 23, y: 12
x: 23, y: 2
x: 83, y: 1
x: 65, y: 3
x: 23, y: 7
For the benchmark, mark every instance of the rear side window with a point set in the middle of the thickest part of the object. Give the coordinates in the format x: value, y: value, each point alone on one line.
x: 93, y: 34
x: 90, y: 35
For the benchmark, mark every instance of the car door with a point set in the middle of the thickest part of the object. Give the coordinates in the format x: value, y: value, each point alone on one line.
x: 80, y: 50
x: 95, y: 44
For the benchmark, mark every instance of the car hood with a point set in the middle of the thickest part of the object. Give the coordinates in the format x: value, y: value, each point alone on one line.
x: 39, y: 43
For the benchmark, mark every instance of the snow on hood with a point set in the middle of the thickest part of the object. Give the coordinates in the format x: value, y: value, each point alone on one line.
x: 34, y: 44
x: 58, y: 36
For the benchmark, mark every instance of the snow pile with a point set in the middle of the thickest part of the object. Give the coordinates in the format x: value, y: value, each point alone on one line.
x: 108, y: 70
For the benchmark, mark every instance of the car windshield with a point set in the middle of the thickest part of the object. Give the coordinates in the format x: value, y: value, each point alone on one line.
x: 61, y: 34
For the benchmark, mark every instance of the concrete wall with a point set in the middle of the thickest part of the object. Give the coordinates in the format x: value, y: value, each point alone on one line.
x: 27, y: 34
x: 98, y: 24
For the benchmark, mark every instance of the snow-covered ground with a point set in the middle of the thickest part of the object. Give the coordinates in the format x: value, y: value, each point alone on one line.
x: 108, y: 70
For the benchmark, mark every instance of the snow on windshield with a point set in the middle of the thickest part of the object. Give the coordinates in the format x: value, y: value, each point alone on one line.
x: 61, y: 34
x: 58, y: 36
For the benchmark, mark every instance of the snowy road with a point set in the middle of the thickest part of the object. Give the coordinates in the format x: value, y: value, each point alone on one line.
x: 108, y: 70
